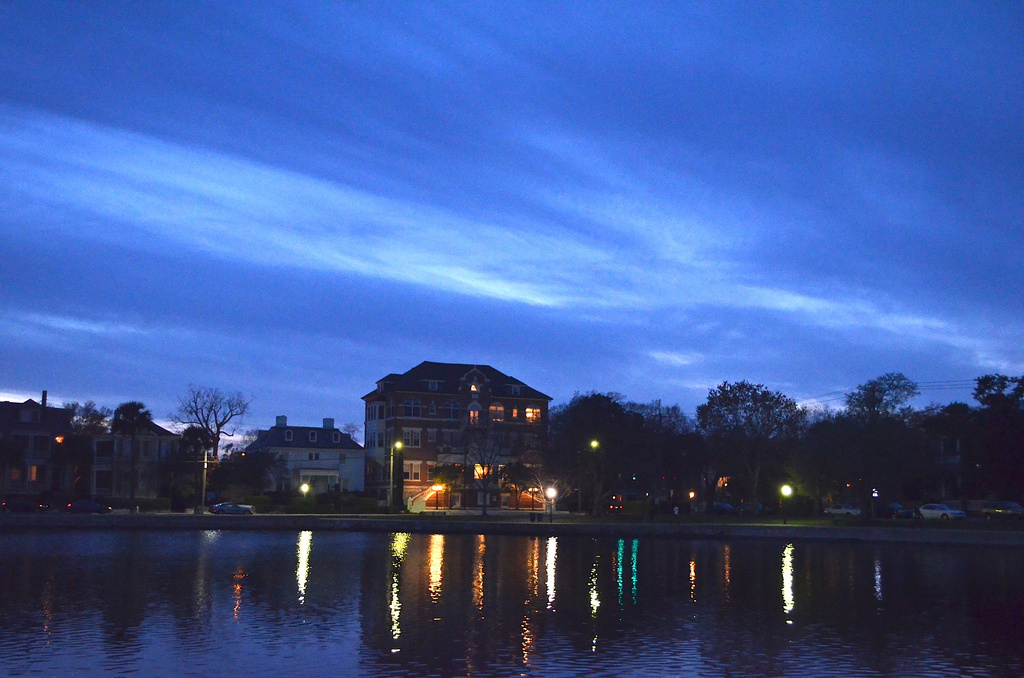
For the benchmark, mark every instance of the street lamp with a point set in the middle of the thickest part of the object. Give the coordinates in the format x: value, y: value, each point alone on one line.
x: 786, y: 492
x: 391, y: 475
x: 551, y: 494
x: 437, y: 491
x: 304, y: 489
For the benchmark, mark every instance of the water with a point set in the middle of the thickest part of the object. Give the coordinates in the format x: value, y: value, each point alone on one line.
x: 311, y: 604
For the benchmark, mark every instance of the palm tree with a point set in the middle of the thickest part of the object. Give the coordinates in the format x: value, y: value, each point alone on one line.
x: 130, y: 419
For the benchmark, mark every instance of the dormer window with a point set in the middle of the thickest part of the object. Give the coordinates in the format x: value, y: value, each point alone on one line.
x: 312, y: 436
x: 288, y: 435
x: 337, y: 436
x: 474, y: 388
x: 433, y: 385
x: 515, y: 389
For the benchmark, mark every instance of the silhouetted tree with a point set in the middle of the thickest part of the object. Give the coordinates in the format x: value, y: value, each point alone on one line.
x: 130, y: 419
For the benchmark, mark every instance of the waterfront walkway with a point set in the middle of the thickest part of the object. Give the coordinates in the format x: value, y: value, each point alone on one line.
x: 518, y: 523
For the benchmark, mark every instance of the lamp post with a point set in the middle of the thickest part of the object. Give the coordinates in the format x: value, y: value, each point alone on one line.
x: 304, y: 489
x: 551, y: 494
x: 391, y: 475
x: 785, y: 491
x: 437, y: 491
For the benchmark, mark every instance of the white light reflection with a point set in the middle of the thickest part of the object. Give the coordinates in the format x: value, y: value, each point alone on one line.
x: 302, y: 568
x: 595, y: 598
x: 435, y: 557
x: 399, y: 546
x: 552, y: 554
x: 787, y: 581
x: 878, y: 580
x: 632, y: 563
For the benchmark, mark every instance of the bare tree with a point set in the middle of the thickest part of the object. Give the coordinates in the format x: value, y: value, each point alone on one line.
x: 486, y: 452
x: 215, y: 412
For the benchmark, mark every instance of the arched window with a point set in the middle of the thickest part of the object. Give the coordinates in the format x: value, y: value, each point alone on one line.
x: 497, y: 412
x: 451, y: 410
x: 411, y: 408
x: 473, y: 415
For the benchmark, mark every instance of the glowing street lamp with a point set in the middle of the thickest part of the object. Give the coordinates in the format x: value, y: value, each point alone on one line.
x: 304, y: 489
x: 551, y: 494
x: 786, y: 492
x: 437, y: 492
x: 391, y: 475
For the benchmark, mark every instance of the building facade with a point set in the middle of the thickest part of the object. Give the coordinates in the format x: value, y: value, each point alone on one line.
x: 325, y: 458
x: 112, y: 461
x: 31, y: 435
x: 471, y: 417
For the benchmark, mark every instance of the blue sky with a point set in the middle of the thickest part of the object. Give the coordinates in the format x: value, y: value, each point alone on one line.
x: 295, y: 199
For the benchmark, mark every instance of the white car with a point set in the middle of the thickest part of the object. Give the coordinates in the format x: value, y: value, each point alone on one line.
x: 843, y: 510
x: 940, y: 512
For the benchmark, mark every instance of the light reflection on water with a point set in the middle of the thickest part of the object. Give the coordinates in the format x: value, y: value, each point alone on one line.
x: 226, y: 604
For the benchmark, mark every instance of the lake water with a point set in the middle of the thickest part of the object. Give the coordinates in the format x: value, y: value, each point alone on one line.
x: 359, y: 604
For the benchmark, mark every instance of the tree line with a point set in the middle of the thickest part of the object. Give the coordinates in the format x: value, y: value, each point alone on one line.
x: 746, y: 440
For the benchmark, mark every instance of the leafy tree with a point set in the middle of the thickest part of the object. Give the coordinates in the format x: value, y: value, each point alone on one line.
x: 75, y: 451
x: 880, y: 413
x: 214, y: 411
x: 450, y: 476
x: 1001, y: 428
x: 749, y: 426
x: 594, y: 470
x: 517, y: 478
x: 88, y: 419
x: 130, y: 419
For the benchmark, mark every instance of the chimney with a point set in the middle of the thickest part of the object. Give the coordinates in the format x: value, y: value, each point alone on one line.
x: 282, y: 420
x: 328, y: 422
x: 44, y: 399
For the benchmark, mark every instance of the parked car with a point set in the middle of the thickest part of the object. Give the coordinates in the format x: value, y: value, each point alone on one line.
x: 721, y: 508
x: 1002, y: 509
x: 940, y: 512
x: 23, y: 505
x: 87, y: 506
x: 752, y: 508
x: 843, y: 510
x: 898, y: 512
x: 232, y: 507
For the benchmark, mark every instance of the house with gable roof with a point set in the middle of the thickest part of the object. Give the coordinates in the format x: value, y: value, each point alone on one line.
x: 324, y: 457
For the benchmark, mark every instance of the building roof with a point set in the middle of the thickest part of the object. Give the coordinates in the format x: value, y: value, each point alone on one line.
x: 274, y: 437
x: 56, y: 419
x: 450, y: 377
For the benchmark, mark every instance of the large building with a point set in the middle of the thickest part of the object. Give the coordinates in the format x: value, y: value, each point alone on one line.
x: 322, y: 457
x: 112, y: 461
x: 31, y: 435
x: 472, y: 417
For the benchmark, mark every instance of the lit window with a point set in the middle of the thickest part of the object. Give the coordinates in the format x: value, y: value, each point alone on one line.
x: 474, y: 415
x: 497, y: 412
x: 474, y: 388
x: 478, y: 471
x: 533, y: 415
x: 411, y: 408
x: 33, y: 474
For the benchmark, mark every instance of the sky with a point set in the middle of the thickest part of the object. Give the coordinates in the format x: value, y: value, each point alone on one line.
x: 295, y: 199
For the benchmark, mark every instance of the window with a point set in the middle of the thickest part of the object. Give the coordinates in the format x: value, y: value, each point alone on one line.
x: 29, y: 416
x: 35, y: 474
x: 411, y: 408
x: 447, y: 436
x: 473, y: 415
x: 104, y: 448
x: 41, y: 443
x: 515, y: 412
x: 431, y: 435
x: 288, y: 435
x: 433, y: 385
x: 533, y: 415
x: 337, y: 436
x: 451, y: 410
x: 474, y: 388
x: 433, y: 408
x: 16, y: 474
x: 411, y: 437
x: 515, y: 389
x: 341, y: 459
x: 497, y: 412
x: 312, y: 436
